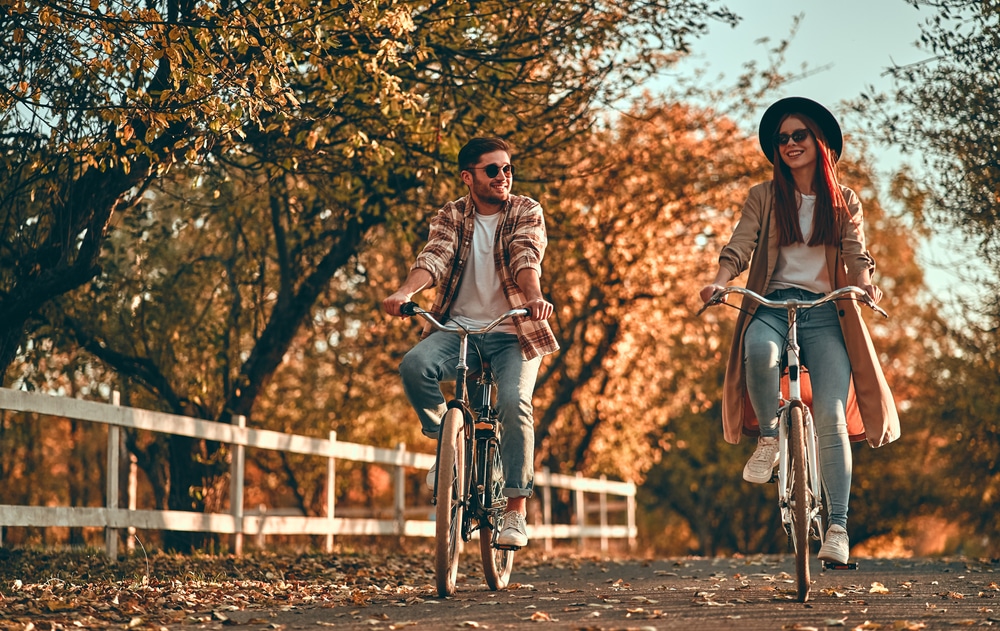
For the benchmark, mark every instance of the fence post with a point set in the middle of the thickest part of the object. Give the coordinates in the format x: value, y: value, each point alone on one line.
x: 133, y: 491
x: 237, y: 469
x: 604, y: 515
x: 581, y: 510
x: 114, y: 438
x: 547, y: 508
x: 630, y: 500
x: 399, y: 487
x: 331, y: 468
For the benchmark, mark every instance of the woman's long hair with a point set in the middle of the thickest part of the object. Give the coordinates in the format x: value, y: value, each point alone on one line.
x: 831, y: 207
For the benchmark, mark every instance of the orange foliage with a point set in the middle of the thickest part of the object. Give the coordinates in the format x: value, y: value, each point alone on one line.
x: 631, y: 239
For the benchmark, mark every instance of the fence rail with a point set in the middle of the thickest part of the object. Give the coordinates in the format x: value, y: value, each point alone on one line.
x: 239, y: 522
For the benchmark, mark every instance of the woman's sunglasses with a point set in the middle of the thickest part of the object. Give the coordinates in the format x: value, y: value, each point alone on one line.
x: 493, y: 170
x: 798, y: 136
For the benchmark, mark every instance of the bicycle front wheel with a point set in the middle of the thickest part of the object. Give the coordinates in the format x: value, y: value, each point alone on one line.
x: 448, y: 514
x: 799, y: 481
x: 497, y: 562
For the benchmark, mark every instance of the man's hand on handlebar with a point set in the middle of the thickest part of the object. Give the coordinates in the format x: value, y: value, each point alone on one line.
x: 392, y: 304
x: 540, y: 308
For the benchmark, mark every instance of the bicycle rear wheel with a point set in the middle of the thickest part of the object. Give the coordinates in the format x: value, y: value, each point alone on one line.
x: 799, y: 481
x: 448, y: 514
x: 497, y: 562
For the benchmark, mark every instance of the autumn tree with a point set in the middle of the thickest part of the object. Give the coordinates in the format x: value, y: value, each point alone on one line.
x: 99, y: 99
x: 631, y: 392
x: 958, y: 410
x: 945, y: 111
x: 628, y: 237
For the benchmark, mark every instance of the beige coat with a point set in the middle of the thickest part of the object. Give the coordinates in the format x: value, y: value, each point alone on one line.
x: 871, y: 410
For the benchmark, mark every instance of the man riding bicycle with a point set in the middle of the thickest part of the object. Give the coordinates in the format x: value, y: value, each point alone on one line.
x: 484, y: 254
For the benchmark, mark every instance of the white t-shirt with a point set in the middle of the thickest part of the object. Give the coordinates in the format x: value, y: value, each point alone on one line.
x: 801, y: 266
x: 480, y: 298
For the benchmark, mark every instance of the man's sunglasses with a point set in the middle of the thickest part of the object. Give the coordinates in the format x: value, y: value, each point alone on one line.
x: 798, y: 136
x: 493, y: 170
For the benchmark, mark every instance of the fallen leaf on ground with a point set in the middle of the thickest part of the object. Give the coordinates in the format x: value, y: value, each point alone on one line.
x: 541, y: 616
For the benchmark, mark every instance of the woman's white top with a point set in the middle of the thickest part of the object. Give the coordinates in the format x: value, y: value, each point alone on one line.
x: 801, y: 266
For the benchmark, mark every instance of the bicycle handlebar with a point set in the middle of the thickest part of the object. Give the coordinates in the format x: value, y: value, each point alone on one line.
x: 411, y: 309
x: 720, y: 297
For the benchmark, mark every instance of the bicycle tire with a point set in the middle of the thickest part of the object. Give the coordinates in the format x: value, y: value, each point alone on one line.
x: 448, y: 511
x: 799, y: 481
x: 497, y: 562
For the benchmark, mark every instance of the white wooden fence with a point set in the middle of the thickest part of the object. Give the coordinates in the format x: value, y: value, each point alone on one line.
x: 239, y: 522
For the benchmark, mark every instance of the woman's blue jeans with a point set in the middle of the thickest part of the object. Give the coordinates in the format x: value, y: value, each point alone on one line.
x: 433, y: 360
x: 823, y: 352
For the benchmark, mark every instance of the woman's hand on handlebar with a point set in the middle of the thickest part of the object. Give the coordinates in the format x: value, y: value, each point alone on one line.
x: 872, y: 290
x: 708, y: 291
x: 540, y: 308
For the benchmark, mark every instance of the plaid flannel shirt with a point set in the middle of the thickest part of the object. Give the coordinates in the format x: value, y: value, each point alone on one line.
x: 521, y: 239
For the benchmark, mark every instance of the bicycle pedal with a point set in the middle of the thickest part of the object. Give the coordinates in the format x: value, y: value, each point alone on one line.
x: 830, y: 565
x: 511, y: 548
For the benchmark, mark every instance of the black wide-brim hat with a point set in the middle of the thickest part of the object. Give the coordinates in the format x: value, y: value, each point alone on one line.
x: 826, y: 121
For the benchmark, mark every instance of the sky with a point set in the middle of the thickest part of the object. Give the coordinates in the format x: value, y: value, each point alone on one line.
x: 857, y: 39
x: 849, y: 43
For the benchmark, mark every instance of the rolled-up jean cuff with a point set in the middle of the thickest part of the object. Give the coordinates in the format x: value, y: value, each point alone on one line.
x: 430, y: 434
x: 511, y: 492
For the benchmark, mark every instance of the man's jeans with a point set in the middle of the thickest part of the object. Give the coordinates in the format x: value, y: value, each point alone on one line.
x: 823, y: 352
x: 433, y: 360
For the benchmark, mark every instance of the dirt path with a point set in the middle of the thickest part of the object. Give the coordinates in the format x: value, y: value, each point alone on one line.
x: 724, y: 593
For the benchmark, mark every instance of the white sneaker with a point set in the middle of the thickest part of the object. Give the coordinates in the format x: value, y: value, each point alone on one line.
x: 431, y: 474
x: 836, y: 546
x: 761, y: 464
x: 514, y: 532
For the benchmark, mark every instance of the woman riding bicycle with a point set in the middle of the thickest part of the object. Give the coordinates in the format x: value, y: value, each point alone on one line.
x: 801, y: 236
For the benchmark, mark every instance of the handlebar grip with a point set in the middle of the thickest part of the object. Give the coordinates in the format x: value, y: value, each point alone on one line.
x: 408, y: 308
